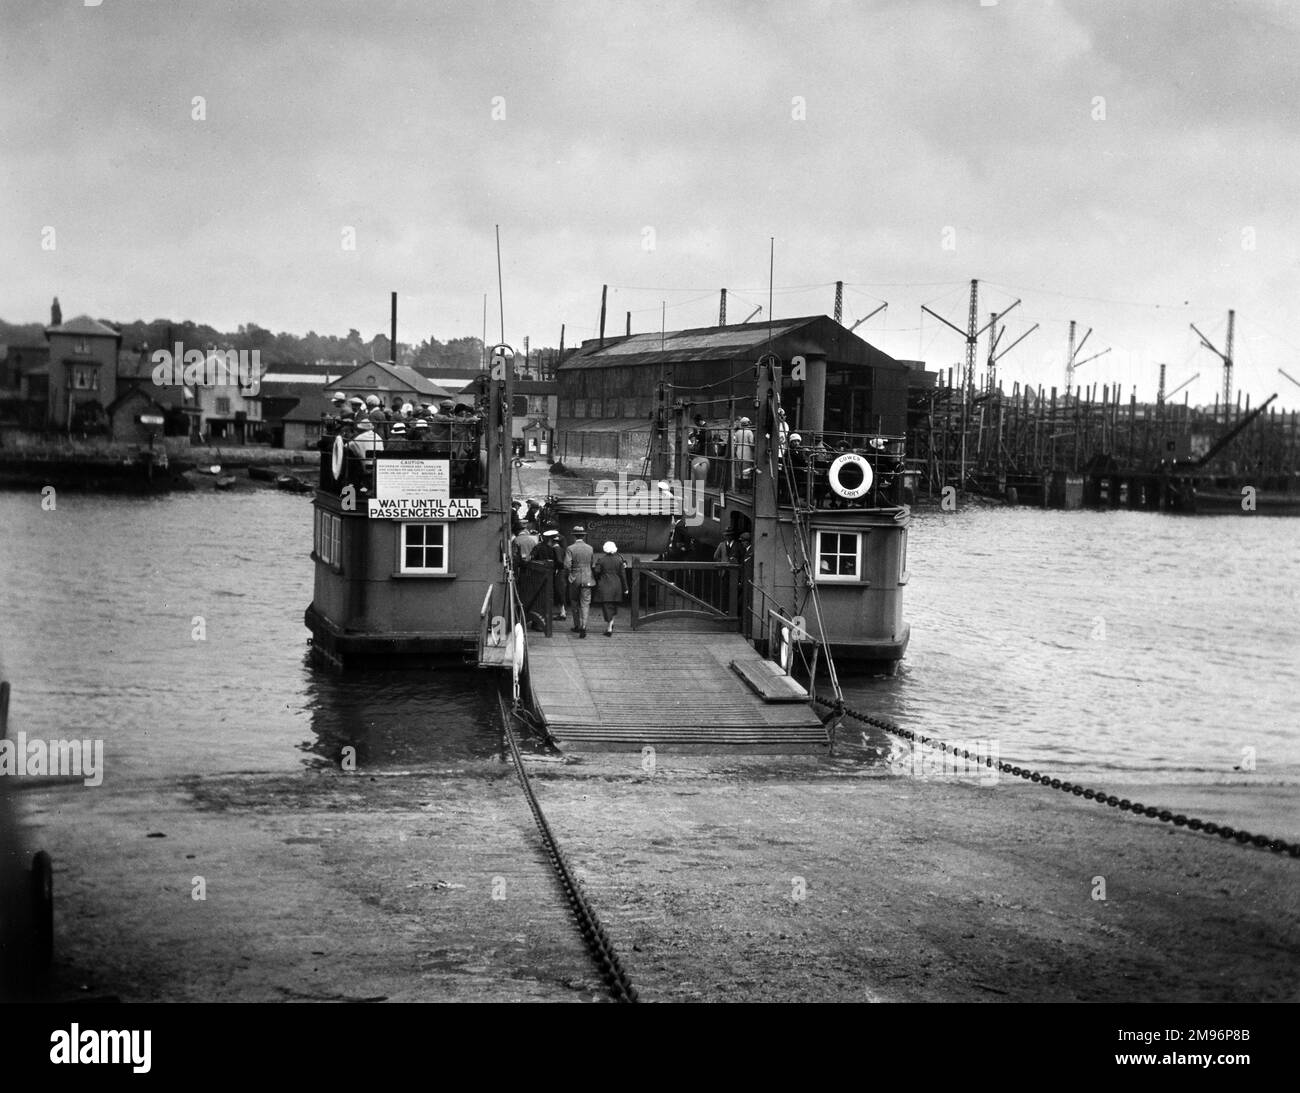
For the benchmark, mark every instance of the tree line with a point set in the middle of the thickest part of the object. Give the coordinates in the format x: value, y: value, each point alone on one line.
x: 283, y: 348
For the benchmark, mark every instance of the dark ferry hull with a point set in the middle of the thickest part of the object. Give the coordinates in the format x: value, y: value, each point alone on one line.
x: 335, y: 647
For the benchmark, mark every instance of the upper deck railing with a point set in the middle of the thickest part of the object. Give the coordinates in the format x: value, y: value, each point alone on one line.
x: 722, y: 455
x: 459, y: 441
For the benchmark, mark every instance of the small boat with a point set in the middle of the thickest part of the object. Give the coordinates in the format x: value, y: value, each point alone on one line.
x: 292, y: 483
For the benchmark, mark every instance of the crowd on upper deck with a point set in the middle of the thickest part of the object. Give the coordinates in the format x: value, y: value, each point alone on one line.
x: 721, y: 455
x: 368, y: 425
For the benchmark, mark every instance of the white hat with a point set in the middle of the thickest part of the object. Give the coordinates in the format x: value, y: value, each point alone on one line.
x: 796, y: 438
x: 744, y: 421
x: 610, y: 548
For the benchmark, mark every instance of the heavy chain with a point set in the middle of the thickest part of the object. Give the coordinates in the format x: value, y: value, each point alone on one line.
x: 1245, y: 838
x: 593, y: 934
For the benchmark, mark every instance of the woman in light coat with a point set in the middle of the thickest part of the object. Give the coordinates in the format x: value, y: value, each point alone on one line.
x: 610, y: 571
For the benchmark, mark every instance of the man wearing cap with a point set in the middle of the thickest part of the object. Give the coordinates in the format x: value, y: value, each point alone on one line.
x: 577, y: 564
x: 551, y: 549
x: 397, y: 438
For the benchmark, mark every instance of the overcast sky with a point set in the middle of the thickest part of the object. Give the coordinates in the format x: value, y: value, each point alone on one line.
x: 1132, y: 165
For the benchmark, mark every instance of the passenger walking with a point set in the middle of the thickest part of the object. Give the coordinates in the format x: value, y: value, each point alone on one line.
x: 610, y: 571
x: 551, y: 549
x: 577, y: 563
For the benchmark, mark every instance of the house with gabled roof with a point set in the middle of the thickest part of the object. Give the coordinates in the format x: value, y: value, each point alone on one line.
x: 387, y: 381
x: 82, y: 370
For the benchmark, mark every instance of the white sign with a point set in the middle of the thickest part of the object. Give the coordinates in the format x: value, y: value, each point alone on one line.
x: 425, y: 508
x: 398, y: 479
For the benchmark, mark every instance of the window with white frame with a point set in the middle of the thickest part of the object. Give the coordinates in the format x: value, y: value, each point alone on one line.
x: 223, y: 404
x: 329, y: 532
x: 424, y: 548
x: 839, y: 556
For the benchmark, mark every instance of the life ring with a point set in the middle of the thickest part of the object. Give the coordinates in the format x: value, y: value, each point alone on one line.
x: 336, y: 458
x: 839, y: 464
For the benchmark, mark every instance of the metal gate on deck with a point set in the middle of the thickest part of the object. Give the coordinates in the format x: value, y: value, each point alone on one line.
x: 704, y: 593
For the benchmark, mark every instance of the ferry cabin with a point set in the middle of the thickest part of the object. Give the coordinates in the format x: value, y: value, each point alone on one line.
x: 408, y: 542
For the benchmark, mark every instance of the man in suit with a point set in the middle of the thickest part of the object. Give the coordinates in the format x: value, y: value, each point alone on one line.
x: 726, y: 550
x: 577, y: 561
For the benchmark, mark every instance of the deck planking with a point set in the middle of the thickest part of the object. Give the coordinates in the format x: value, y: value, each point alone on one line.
x: 663, y: 689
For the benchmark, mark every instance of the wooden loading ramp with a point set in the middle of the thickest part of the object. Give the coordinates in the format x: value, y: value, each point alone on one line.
x: 672, y: 690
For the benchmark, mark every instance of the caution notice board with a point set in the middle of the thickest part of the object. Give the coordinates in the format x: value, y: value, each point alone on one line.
x: 396, y: 479
x: 418, y: 489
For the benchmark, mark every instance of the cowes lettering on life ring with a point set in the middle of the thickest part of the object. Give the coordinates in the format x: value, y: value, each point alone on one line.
x: 336, y: 457
x: 840, y: 463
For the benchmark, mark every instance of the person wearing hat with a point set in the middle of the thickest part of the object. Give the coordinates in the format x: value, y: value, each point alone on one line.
x: 745, y: 552
x: 610, y: 571
x: 397, y: 438
x: 551, y: 549
x: 577, y: 564
x: 742, y: 451
x: 727, y: 549
x: 367, y: 441
x: 782, y: 433
x: 798, y: 464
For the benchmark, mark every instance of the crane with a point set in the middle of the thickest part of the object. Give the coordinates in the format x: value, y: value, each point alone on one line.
x: 1071, y: 364
x: 1226, y: 357
x: 866, y: 317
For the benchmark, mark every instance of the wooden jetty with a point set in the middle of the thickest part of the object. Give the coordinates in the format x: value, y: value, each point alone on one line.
x: 673, y: 690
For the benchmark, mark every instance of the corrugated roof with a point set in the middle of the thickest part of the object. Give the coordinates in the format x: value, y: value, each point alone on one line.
x: 84, y: 324
x: 705, y: 343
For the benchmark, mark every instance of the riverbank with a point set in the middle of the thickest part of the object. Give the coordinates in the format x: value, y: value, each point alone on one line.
x: 717, y: 879
x: 105, y: 467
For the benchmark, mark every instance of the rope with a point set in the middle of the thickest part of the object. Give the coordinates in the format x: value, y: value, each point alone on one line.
x: 593, y: 934
x: 1279, y: 846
